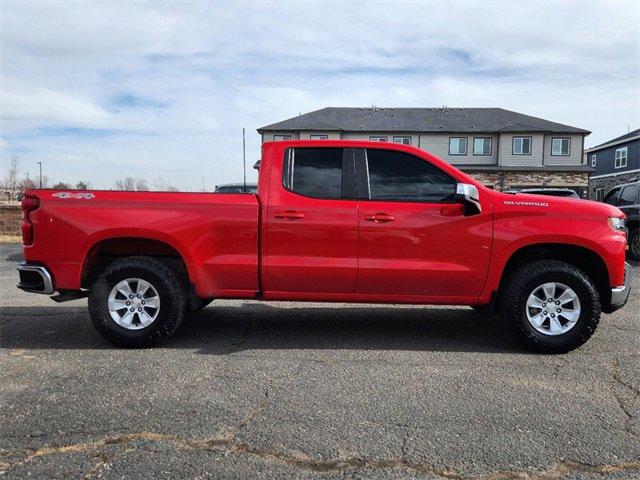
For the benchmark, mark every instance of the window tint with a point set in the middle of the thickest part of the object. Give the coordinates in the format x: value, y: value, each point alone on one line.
x: 612, y: 197
x: 629, y: 195
x: 313, y: 172
x: 398, y: 176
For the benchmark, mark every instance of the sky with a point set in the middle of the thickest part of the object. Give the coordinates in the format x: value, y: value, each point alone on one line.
x: 98, y: 91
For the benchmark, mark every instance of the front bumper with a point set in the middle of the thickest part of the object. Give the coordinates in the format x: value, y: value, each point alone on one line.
x: 35, y: 278
x: 620, y: 295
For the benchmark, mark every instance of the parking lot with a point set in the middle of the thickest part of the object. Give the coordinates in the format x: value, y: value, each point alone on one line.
x: 247, y: 390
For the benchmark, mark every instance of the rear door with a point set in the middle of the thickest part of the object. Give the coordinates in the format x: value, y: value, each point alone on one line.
x: 414, y: 239
x: 312, y: 222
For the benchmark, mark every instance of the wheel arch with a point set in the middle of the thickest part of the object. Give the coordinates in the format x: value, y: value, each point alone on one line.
x: 109, y: 248
x: 586, y: 259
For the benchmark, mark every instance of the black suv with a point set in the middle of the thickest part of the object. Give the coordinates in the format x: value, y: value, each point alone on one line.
x: 627, y: 198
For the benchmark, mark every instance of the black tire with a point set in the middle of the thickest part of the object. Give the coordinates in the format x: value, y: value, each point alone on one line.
x: 634, y: 244
x: 173, y: 301
x: 522, y: 283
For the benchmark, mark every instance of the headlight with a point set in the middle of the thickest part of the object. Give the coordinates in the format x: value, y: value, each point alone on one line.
x: 616, y: 223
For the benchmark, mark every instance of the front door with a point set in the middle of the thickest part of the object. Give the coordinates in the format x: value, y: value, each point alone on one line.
x: 414, y: 239
x: 312, y: 222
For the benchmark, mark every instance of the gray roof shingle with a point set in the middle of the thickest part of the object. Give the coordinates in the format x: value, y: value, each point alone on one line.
x: 374, y: 119
x: 631, y: 134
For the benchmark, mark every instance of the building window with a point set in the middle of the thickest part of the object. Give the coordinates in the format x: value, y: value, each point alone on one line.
x: 482, y: 146
x: 560, y: 146
x: 621, y: 157
x: 521, y: 146
x: 280, y: 138
x: 378, y: 139
x: 319, y: 137
x: 402, y: 140
x: 457, y: 146
x: 599, y: 193
x: 593, y: 161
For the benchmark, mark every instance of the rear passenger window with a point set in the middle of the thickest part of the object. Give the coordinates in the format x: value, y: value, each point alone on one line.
x: 629, y: 195
x: 313, y: 172
x: 401, y: 177
x: 612, y: 197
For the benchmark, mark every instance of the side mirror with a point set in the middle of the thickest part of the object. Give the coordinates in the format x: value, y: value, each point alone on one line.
x: 468, y: 195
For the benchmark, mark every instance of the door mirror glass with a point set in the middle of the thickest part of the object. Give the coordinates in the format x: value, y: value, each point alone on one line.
x: 468, y: 195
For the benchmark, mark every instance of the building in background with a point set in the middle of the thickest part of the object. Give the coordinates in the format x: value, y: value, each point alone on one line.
x: 501, y: 148
x: 614, y: 162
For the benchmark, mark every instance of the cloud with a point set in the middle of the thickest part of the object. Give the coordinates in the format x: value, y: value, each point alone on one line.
x: 167, y: 87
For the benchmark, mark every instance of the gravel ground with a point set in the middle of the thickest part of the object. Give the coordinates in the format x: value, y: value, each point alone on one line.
x: 290, y: 390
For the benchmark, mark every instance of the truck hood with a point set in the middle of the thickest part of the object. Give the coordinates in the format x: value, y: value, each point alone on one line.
x: 525, y: 202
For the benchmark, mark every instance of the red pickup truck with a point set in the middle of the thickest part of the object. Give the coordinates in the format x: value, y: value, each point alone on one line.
x: 333, y: 221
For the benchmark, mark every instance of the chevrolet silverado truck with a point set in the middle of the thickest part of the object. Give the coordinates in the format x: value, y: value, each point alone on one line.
x: 333, y: 221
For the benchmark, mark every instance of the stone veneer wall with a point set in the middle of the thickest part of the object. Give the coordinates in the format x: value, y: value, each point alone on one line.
x: 609, y: 182
x: 506, y: 180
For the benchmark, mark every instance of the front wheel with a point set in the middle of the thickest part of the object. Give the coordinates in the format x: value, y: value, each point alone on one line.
x: 137, y: 302
x: 551, y: 306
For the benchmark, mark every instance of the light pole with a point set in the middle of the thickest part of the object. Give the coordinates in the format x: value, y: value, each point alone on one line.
x: 40, y: 164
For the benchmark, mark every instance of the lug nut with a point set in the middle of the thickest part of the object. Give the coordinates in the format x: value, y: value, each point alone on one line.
x: 143, y: 302
x: 544, y: 313
x: 558, y: 310
x: 138, y: 295
x: 130, y: 296
x: 544, y: 305
x: 139, y: 309
x: 553, y: 315
x: 133, y: 309
x: 558, y: 302
x: 128, y: 303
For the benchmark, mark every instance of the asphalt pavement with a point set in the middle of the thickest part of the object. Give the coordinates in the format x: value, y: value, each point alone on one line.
x: 290, y: 390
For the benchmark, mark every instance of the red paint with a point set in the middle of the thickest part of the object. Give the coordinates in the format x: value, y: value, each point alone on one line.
x: 281, y: 245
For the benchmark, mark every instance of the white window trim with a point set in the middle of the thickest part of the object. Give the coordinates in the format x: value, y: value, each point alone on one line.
x: 377, y: 138
x: 466, y: 146
x: 622, y: 150
x: 490, y: 146
x: 283, y: 138
x: 402, y: 138
x: 594, y: 160
x: 599, y: 194
x: 521, y: 152
x: 319, y: 137
x: 553, y: 140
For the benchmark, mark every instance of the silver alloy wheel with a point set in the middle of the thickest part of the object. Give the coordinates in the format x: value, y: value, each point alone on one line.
x: 134, y: 303
x: 553, y: 308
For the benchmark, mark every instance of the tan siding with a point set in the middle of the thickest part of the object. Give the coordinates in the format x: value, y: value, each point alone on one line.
x: 575, y: 152
x: 508, y: 159
x: 267, y: 136
x: 389, y: 135
x: 330, y: 135
x: 438, y: 144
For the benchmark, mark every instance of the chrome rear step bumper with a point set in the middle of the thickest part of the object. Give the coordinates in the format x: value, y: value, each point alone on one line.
x: 35, y: 278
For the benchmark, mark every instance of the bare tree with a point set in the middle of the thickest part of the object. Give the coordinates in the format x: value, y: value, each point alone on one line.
x: 82, y: 185
x: 11, y: 182
x: 141, y: 185
x: 26, y: 184
x: 62, y: 186
x: 160, y: 185
x: 127, y: 184
x: 130, y: 184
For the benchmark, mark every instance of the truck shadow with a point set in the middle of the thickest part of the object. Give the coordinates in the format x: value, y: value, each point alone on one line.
x: 223, y: 330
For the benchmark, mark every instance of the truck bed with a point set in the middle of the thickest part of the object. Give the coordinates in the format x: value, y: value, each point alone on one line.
x: 215, y: 234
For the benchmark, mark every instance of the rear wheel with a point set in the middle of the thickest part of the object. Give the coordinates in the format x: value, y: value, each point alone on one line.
x: 551, y: 306
x: 137, y: 302
x: 634, y: 244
